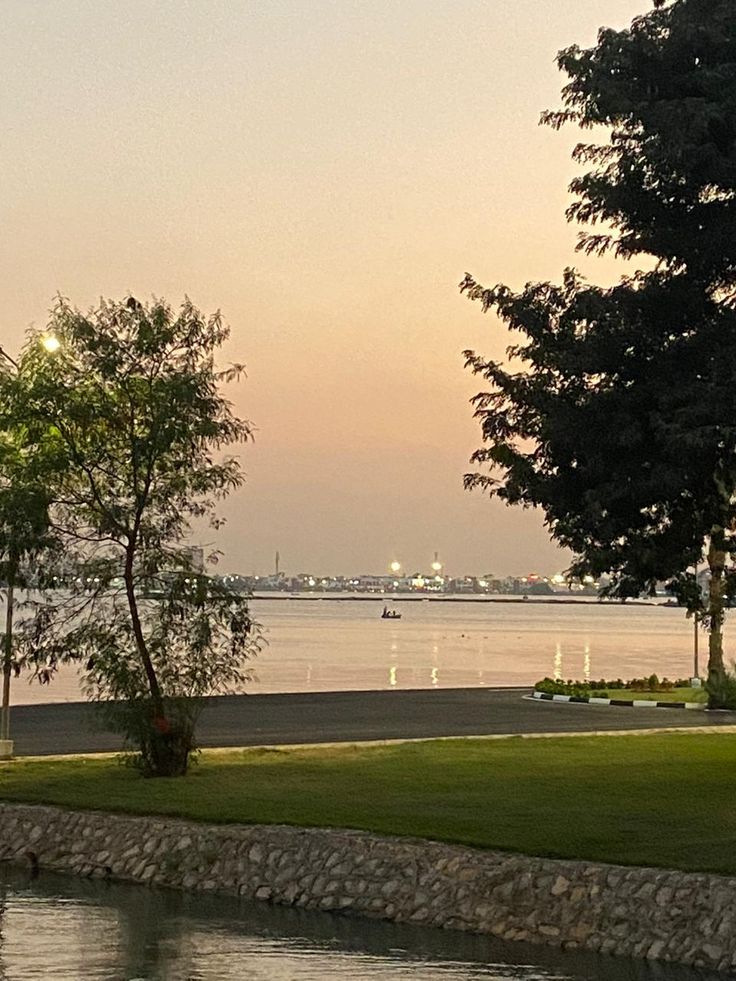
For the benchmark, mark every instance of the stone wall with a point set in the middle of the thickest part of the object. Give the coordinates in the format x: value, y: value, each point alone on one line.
x: 672, y: 916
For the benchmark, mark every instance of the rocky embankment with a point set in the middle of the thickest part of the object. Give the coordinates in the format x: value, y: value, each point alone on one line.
x: 680, y: 917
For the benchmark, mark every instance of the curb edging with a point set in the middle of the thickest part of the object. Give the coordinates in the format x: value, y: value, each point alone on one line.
x: 625, y: 702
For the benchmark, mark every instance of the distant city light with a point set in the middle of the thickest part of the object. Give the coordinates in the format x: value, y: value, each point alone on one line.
x: 397, y: 578
x: 436, y: 566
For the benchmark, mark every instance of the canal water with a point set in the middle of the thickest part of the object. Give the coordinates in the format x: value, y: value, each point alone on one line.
x: 69, y: 929
x: 329, y: 644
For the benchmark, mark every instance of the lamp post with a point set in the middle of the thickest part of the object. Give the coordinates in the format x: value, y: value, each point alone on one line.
x: 6, y: 743
x: 51, y: 344
x: 696, y: 665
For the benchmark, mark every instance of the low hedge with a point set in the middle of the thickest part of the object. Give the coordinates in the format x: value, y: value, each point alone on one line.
x: 601, y: 688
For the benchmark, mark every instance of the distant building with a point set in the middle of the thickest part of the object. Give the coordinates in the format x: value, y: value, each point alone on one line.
x: 195, y: 555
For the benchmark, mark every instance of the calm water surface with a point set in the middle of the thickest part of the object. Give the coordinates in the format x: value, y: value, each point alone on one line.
x: 77, y: 930
x: 338, y: 645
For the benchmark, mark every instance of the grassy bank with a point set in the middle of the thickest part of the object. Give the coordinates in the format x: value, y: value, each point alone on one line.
x: 673, y: 695
x: 664, y: 800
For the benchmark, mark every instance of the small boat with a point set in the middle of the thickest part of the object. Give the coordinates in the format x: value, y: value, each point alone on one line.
x: 390, y: 614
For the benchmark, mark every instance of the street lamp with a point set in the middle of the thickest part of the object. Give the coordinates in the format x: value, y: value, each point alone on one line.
x: 50, y: 343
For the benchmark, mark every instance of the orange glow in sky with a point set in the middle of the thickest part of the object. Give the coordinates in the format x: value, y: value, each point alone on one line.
x: 324, y: 171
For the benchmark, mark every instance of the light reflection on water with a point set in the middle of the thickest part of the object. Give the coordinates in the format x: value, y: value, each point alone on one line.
x: 341, y: 645
x: 77, y: 930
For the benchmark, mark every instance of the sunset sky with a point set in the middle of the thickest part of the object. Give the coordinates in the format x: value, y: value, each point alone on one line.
x: 324, y: 171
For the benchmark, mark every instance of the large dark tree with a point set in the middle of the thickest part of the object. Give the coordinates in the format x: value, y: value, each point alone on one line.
x: 132, y: 413
x: 620, y: 422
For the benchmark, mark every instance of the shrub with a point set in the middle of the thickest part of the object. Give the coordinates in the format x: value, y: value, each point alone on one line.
x: 722, y: 693
x: 552, y: 687
x: 602, y: 688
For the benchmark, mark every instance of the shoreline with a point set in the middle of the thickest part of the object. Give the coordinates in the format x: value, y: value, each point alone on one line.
x: 527, y: 600
x: 654, y: 914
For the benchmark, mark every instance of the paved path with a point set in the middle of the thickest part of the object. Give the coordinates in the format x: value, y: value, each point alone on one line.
x: 252, y: 720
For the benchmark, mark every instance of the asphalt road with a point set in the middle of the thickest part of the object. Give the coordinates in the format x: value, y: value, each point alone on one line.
x: 253, y: 720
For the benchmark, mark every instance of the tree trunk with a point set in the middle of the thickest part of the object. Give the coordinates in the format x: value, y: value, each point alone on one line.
x: 164, y: 742
x: 716, y: 612
x: 140, y: 640
x: 7, y: 662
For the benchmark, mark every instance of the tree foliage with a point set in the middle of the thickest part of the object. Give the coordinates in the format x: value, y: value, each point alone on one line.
x: 131, y: 410
x: 26, y: 537
x: 665, y: 89
x: 620, y: 419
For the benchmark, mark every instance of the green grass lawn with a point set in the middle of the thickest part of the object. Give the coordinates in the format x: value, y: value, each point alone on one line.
x: 675, y: 695
x: 666, y: 800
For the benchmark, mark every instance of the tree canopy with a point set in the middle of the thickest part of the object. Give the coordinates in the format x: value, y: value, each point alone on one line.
x: 665, y: 89
x: 620, y: 422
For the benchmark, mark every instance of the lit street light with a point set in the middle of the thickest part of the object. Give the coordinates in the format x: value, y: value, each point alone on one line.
x: 51, y: 343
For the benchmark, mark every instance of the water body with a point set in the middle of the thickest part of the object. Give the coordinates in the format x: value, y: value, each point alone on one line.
x: 79, y: 930
x: 329, y: 644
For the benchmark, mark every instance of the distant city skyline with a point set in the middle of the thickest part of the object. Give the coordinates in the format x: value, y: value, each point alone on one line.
x: 325, y: 173
x: 430, y: 567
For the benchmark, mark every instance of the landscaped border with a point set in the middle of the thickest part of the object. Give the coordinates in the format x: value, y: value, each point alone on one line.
x: 627, y: 702
x: 678, y: 917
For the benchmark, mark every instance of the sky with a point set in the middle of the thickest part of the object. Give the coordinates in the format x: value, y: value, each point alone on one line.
x: 324, y: 172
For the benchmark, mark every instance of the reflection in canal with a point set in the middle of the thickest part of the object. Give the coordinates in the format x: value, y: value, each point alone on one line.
x: 79, y: 930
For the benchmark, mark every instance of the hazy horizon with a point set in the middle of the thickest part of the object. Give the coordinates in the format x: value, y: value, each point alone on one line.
x: 323, y: 172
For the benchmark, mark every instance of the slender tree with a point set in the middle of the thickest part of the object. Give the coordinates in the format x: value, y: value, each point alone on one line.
x: 132, y: 411
x: 620, y: 420
x: 26, y: 538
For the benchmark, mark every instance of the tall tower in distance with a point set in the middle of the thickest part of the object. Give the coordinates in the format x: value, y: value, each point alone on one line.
x: 278, y: 560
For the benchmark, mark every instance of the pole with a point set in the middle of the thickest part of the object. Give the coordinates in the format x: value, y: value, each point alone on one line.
x: 7, y: 357
x: 696, y: 665
x: 696, y: 668
x: 7, y: 666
